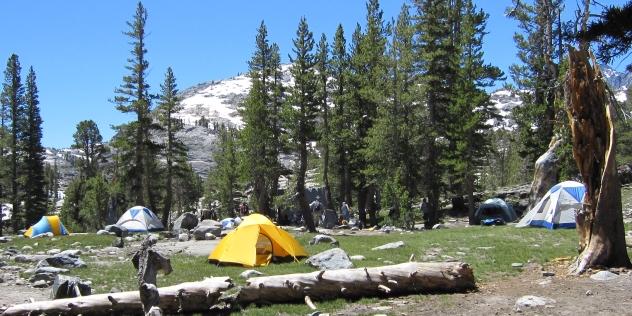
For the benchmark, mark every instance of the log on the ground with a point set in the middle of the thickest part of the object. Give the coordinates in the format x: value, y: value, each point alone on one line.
x: 400, y: 279
x: 185, y: 297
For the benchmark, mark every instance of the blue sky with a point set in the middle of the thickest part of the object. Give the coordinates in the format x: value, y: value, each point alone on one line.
x: 79, y: 53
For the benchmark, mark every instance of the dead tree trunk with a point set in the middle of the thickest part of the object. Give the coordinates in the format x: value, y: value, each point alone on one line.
x: 406, y: 278
x: 149, y: 262
x: 600, y: 223
x: 186, y: 297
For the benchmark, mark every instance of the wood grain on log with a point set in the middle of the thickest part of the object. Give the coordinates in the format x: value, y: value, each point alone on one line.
x: 405, y: 278
x: 185, y: 297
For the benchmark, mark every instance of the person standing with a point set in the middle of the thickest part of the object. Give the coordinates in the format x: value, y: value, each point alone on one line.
x: 424, y: 210
x: 317, y: 210
x: 344, y: 211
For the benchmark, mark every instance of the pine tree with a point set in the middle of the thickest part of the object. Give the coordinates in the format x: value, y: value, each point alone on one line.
x: 323, y: 72
x: 13, y: 103
x: 469, y: 132
x: 222, y: 182
x: 393, y: 145
x: 368, y: 65
x: 342, y: 133
x: 259, y: 163
x: 133, y: 141
x: 174, y: 149
x: 536, y: 79
x: 436, y: 64
x: 301, y: 110
x: 88, y: 139
x: 32, y: 166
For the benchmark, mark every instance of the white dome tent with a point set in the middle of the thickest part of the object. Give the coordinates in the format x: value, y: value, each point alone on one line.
x: 557, y: 207
x: 140, y: 219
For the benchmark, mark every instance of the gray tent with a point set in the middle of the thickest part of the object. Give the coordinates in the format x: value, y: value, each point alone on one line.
x: 329, y: 218
x: 495, y: 208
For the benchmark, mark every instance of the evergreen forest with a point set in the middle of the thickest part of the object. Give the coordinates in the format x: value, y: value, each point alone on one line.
x: 380, y: 116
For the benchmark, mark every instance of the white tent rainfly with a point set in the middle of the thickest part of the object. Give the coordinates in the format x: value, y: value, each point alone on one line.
x: 140, y: 219
x: 557, y: 207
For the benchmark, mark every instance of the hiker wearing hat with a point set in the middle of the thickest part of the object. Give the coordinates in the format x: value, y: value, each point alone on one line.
x: 317, y: 210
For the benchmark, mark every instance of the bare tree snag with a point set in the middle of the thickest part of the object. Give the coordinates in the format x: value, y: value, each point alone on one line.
x: 600, y: 223
x: 405, y: 278
x: 186, y: 297
x: 149, y: 262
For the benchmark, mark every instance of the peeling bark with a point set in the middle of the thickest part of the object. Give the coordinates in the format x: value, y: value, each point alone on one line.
x: 600, y: 223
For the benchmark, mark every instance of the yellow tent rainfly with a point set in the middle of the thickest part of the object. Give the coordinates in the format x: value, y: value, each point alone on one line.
x: 254, y: 242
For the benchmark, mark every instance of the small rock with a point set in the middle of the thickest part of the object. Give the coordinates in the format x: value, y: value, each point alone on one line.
x: 75, y: 244
x: 438, y: 226
x: 357, y: 257
x: 75, y: 252
x: 53, y: 251
x: 392, y: 245
x: 248, y: 273
x: 322, y: 238
x: 130, y: 239
x: 516, y: 265
x: 533, y: 301
x: 183, y: 237
x: 19, y: 281
x: 27, y: 248
x: 382, y: 308
x: 118, y: 242
x: 40, y: 284
x: 604, y: 276
x: 589, y: 292
x: 210, y: 236
x: 548, y: 273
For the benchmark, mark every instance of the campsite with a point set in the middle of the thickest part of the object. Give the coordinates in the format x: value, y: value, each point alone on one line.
x: 508, y: 264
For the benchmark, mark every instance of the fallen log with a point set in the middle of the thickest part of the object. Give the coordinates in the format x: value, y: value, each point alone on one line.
x: 400, y: 279
x: 185, y: 297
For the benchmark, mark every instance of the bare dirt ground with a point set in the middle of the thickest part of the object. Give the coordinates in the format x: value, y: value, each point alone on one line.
x: 569, y: 295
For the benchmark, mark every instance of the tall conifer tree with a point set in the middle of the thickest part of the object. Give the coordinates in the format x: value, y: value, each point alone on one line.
x: 536, y: 78
x: 369, y: 73
x: 261, y: 115
x: 32, y: 166
x: 174, y: 149
x: 136, y: 149
x: 469, y: 131
x: 301, y: 109
x: 13, y: 103
x: 435, y: 63
x: 393, y: 148
x: 342, y: 133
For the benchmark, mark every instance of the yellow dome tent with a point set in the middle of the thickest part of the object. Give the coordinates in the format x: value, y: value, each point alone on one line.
x: 254, y: 242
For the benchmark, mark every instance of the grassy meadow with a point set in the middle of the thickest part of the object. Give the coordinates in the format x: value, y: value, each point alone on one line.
x: 489, y: 250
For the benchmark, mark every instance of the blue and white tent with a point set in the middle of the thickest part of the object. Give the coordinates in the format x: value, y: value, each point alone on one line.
x: 557, y: 207
x: 140, y: 219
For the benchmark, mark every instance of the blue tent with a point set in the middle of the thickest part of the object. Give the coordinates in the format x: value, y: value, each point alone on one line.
x: 47, y: 224
x: 496, y: 208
